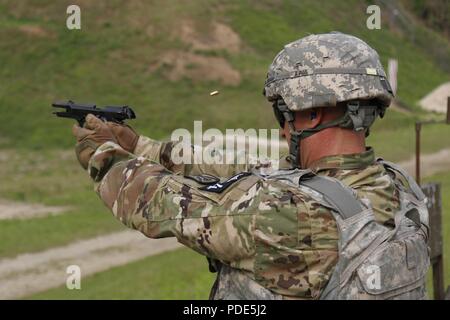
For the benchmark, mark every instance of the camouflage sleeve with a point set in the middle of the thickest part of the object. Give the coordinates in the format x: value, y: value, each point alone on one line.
x: 220, y: 164
x: 147, y: 197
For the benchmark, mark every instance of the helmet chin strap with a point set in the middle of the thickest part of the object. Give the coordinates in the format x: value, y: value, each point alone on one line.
x: 294, y: 146
x: 357, y: 117
x: 296, y: 136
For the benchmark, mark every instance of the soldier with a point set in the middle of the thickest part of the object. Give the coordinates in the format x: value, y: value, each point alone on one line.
x: 333, y: 222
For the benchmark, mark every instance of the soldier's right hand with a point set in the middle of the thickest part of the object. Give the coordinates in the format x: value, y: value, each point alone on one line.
x: 126, y: 137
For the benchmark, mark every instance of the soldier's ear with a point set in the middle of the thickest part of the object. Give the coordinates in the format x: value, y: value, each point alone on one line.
x: 316, y: 116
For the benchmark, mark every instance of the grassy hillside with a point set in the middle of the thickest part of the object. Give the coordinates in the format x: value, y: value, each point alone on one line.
x: 128, y: 52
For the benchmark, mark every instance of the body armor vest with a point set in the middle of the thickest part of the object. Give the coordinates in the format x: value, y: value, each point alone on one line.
x: 375, y: 261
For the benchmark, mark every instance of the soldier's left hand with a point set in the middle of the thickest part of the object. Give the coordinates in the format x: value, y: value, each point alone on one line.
x: 94, y: 133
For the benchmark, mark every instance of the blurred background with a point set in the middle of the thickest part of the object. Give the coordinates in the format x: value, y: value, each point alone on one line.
x: 163, y: 58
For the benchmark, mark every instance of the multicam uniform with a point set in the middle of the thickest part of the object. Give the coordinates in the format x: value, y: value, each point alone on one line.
x: 279, y: 240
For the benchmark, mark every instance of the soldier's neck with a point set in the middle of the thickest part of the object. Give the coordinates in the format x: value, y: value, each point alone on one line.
x: 331, y: 142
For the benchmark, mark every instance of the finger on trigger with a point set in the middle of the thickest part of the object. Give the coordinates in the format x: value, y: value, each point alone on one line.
x: 79, y: 132
x: 92, y: 122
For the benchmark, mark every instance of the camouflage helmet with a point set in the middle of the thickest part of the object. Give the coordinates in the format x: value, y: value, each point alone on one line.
x: 324, y: 69
x: 321, y: 71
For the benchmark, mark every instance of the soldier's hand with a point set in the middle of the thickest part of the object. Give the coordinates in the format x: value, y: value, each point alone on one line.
x: 94, y: 133
x: 126, y: 137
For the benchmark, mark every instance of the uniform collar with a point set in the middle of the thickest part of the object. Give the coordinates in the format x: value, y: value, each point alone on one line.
x: 345, y: 161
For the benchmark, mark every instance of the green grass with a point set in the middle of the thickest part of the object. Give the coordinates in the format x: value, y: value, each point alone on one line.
x: 180, y: 274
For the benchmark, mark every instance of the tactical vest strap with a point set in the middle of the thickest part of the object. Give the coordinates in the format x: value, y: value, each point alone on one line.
x: 340, y: 197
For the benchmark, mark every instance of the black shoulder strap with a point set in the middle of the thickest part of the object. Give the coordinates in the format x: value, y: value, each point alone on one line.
x: 337, y: 195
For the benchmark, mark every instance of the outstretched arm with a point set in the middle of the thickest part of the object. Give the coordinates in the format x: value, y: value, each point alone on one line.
x: 145, y: 196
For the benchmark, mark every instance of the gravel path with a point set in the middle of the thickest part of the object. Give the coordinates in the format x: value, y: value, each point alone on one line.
x: 18, y: 210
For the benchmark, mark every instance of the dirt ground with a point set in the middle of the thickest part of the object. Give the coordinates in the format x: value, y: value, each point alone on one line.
x: 219, y: 37
x: 18, y: 210
x: 197, y: 63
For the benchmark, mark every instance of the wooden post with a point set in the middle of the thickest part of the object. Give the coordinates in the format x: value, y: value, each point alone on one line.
x: 448, y: 110
x: 418, y: 129
x: 433, y: 193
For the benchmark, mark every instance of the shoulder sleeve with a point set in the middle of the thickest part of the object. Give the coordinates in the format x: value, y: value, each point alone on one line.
x: 195, y: 160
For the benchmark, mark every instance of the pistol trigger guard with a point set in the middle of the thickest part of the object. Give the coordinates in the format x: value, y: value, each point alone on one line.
x: 80, y: 122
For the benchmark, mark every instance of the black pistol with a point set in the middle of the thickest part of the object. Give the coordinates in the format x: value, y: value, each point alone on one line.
x: 79, y: 112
